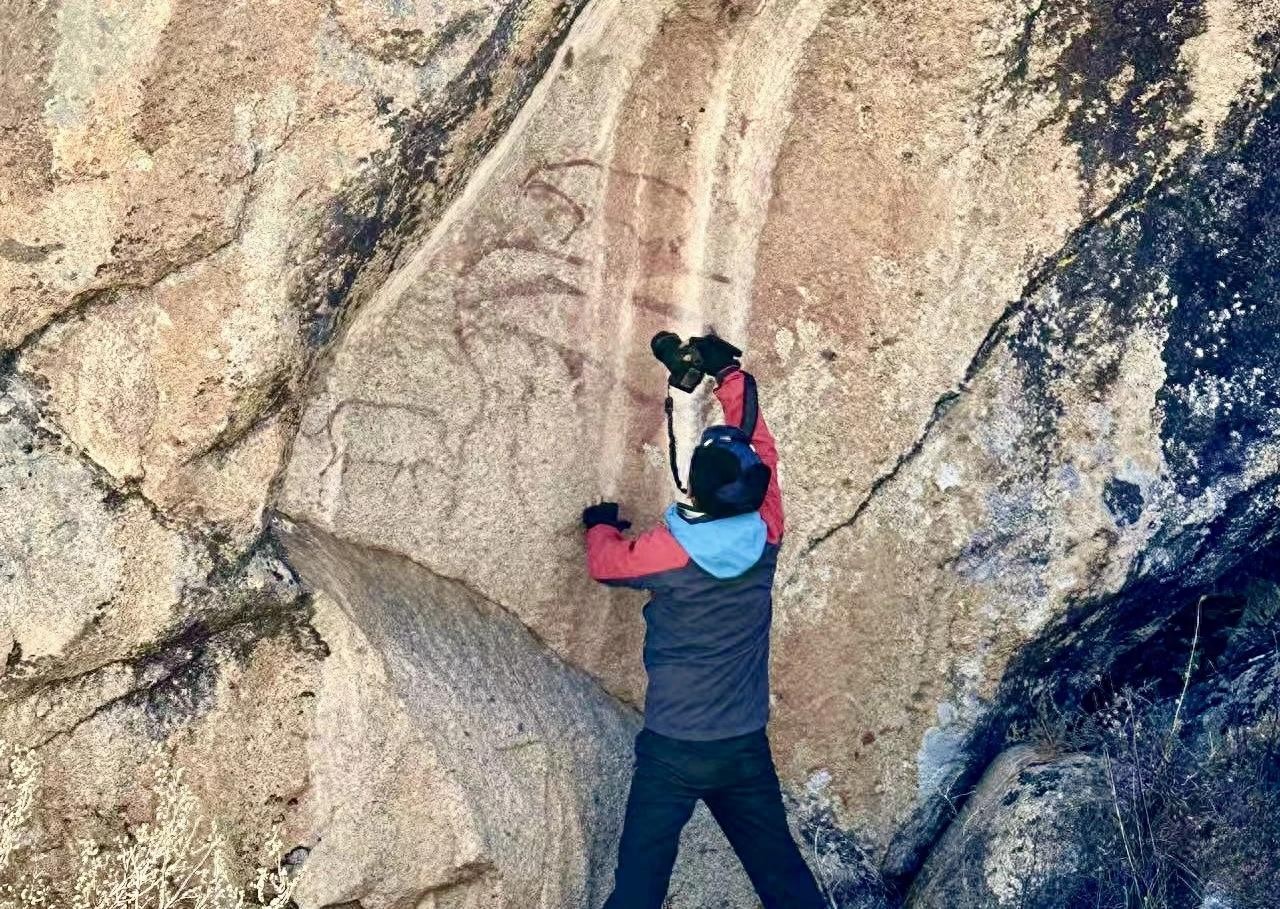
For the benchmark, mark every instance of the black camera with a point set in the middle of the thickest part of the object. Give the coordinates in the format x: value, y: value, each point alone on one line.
x: 682, y: 360
x: 689, y: 363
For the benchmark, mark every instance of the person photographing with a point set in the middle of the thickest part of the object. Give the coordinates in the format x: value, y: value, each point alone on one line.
x: 709, y: 568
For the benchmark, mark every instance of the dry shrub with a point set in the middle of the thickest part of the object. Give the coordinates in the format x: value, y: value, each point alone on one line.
x: 177, y: 861
x: 1198, y: 815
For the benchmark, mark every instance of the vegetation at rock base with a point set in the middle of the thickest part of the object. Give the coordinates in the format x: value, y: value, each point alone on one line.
x: 176, y: 861
x: 1193, y: 811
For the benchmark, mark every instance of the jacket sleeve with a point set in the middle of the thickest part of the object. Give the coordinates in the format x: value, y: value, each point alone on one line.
x: 613, y: 559
x: 729, y: 391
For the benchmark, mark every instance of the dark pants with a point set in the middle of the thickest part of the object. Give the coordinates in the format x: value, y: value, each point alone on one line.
x: 736, y: 778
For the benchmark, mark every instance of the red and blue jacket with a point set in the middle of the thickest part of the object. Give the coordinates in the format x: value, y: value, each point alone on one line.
x: 706, y: 646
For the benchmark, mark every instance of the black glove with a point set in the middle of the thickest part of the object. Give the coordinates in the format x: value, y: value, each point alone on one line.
x: 716, y: 353
x: 603, y: 513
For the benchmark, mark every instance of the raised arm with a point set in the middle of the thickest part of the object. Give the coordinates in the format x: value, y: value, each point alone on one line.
x: 730, y: 391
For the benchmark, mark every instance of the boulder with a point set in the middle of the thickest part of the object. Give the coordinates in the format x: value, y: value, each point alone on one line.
x: 534, y: 758
x: 1038, y: 831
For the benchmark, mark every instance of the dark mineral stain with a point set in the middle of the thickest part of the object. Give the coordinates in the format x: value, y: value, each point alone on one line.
x: 1124, y: 500
x: 16, y: 251
x: 1222, y: 360
x: 1207, y: 251
x: 850, y: 879
x: 179, y: 683
x: 13, y: 659
x: 296, y: 856
x: 1119, y: 82
x: 427, y: 169
x: 1157, y: 666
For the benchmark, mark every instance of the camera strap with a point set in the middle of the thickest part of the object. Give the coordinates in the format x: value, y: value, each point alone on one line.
x: 750, y: 405
x: 750, y: 413
x: 669, y: 407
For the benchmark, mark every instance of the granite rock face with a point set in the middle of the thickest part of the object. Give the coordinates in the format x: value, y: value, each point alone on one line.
x: 536, y: 753
x: 1160, y: 787
x: 956, y: 320
x: 320, y: 322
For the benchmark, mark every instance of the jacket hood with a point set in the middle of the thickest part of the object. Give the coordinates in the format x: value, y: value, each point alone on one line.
x: 722, y: 547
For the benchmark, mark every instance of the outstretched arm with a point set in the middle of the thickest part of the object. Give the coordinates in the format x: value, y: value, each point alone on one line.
x: 614, y: 559
x: 730, y: 389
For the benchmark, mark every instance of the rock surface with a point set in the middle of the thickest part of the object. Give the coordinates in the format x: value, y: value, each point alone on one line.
x: 963, y: 464
x: 187, y: 220
x: 1160, y: 788
x: 1038, y: 831
x: 536, y: 754
x: 387, y: 271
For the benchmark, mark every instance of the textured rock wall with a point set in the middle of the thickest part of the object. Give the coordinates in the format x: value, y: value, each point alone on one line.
x: 1161, y: 787
x: 1005, y: 271
x: 897, y: 212
x: 198, y: 200
x: 1019, y: 841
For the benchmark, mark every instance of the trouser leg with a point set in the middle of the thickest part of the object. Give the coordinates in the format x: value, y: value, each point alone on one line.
x: 751, y: 814
x: 658, y: 807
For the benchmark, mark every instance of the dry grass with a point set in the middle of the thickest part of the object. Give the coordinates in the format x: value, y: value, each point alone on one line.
x: 177, y: 861
x: 1196, y: 815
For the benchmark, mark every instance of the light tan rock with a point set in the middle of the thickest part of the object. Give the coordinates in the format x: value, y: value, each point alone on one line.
x: 176, y: 388
x: 230, y: 707
x: 90, y: 575
x: 196, y: 205
x: 874, y: 199
x: 388, y: 825
x: 443, y: 761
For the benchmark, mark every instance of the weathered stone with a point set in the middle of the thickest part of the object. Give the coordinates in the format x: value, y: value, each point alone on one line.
x: 385, y: 823
x: 1005, y: 270
x: 535, y: 756
x: 209, y: 195
x: 177, y: 389
x: 890, y: 221
x: 1038, y: 831
x: 1167, y: 789
x: 88, y: 575
x: 231, y: 707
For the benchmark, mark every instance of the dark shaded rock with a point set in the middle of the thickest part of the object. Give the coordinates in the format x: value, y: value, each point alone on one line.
x: 842, y: 865
x: 1119, y: 80
x: 1124, y: 500
x: 1185, y: 729
x: 1193, y: 261
x: 1036, y: 834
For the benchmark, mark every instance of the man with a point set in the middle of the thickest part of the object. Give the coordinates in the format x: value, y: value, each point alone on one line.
x: 710, y: 570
